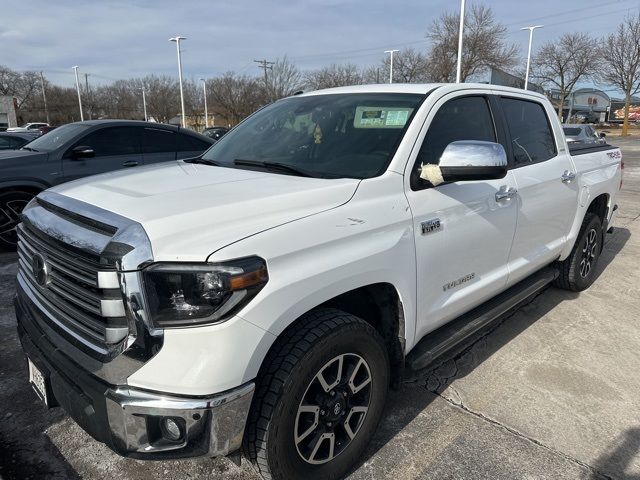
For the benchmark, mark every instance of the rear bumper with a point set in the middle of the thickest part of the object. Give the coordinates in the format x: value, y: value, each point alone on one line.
x: 127, y: 419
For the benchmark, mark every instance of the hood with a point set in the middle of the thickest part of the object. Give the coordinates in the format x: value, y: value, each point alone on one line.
x: 9, y: 157
x: 190, y: 210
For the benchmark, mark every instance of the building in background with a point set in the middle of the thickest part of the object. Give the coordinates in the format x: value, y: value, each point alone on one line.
x: 616, y: 111
x: 7, y: 112
x: 495, y: 76
x: 585, y: 105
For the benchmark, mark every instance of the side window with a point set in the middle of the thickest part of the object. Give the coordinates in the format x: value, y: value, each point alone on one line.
x: 531, y: 136
x: 113, y: 141
x: 159, y: 141
x: 187, y: 143
x: 464, y: 118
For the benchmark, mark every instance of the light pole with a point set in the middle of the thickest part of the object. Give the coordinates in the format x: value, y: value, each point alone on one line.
x: 144, y: 104
x: 44, y: 97
x: 177, y: 40
x: 460, y: 36
x: 79, y: 97
x: 531, y: 29
x: 391, y: 64
x: 206, y: 112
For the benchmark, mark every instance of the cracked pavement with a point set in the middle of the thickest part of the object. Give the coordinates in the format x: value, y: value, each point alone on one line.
x: 550, y: 392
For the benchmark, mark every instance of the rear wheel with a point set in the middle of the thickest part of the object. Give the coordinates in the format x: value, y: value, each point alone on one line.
x: 319, y: 400
x: 12, y: 203
x: 578, y: 271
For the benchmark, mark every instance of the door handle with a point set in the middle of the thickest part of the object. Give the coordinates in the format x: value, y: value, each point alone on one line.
x: 130, y: 163
x: 568, y: 176
x: 506, y: 194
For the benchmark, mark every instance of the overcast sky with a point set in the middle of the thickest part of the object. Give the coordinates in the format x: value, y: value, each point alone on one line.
x: 114, y: 39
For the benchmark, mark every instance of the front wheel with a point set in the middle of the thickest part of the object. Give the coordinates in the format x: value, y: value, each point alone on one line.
x: 578, y: 271
x: 12, y: 203
x: 319, y: 399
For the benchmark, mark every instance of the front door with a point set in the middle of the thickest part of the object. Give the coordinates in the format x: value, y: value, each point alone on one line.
x: 463, y: 234
x: 114, y: 147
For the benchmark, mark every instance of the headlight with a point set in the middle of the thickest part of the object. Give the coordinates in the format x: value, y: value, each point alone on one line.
x: 181, y: 295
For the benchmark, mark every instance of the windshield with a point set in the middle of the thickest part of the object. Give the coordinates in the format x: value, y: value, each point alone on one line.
x: 330, y: 136
x: 52, y: 140
x: 571, y: 132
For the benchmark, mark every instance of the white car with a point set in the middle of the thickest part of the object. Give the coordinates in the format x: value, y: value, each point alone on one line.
x: 265, y: 295
x: 29, y: 128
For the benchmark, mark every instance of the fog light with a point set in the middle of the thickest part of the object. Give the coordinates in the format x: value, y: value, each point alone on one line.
x: 170, y: 429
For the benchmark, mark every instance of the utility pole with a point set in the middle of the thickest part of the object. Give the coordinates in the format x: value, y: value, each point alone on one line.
x: 144, y: 105
x: 206, y: 112
x: 531, y: 29
x: 391, y: 64
x: 86, y: 90
x: 78, y: 90
x: 460, y: 36
x: 265, y: 65
x: 177, y: 39
x: 44, y: 97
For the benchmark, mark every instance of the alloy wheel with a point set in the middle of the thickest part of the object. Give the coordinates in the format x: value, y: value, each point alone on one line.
x: 333, y: 408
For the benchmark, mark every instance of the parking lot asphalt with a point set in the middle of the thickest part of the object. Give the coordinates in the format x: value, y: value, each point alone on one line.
x: 551, y: 392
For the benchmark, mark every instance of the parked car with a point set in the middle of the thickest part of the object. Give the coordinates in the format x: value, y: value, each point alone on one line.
x: 46, y: 129
x: 265, y: 295
x: 576, y: 133
x: 14, y: 140
x: 29, y: 127
x: 215, y: 133
x: 80, y: 149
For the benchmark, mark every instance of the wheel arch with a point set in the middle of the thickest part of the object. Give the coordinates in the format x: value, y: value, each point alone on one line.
x: 599, y: 205
x: 378, y: 304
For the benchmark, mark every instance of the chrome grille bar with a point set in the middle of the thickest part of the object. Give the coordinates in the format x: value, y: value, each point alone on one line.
x: 80, y: 291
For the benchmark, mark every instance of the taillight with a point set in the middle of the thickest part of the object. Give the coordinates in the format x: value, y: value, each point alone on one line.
x: 621, y: 171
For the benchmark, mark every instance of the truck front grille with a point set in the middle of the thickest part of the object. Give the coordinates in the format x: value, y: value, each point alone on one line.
x: 79, y: 291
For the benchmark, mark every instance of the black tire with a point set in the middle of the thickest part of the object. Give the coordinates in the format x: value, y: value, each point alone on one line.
x: 290, y: 373
x: 578, y: 271
x: 11, y: 204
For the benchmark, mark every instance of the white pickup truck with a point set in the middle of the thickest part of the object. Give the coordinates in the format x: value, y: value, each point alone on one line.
x: 264, y: 296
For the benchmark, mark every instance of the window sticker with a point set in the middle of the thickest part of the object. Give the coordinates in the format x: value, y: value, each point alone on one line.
x: 381, y: 117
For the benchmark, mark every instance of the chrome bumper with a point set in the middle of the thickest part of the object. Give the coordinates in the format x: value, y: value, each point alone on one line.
x: 211, y: 426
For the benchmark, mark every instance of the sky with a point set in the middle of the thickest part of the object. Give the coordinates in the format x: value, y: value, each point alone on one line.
x: 113, y: 39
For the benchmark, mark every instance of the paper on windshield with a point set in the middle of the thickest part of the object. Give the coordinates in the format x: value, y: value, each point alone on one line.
x: 381, y: 117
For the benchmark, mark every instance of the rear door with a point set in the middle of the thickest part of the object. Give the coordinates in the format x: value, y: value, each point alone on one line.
x: 547, y: 197
x: 159, y: 145
x: 115, y: 148
x: 462, y: 232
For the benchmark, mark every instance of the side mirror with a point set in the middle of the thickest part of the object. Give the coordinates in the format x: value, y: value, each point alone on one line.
x: 603, y: 135
x: 468, y: 160
x: 82, y: 152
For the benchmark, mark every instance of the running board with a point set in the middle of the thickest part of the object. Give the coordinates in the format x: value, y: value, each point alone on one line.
x: 452, y: 333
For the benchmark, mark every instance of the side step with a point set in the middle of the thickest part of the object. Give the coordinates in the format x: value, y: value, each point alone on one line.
x: 452, y: 333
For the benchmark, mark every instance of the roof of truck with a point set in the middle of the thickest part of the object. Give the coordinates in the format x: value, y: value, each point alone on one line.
x: 420, y: 88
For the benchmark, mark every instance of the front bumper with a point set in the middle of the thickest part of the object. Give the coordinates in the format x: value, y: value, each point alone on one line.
x: 127, y: 419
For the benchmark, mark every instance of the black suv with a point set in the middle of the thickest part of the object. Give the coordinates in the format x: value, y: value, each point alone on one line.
x: 81, y: 149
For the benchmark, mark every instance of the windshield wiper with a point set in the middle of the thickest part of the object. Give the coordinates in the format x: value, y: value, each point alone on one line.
x: 29, y: 148
x: 202, y: 161
x: 283, y: 167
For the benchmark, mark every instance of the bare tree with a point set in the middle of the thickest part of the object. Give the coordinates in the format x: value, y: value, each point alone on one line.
x: 562, y: 63
x: 409, y: 66
x: 333, y: 76
x: 282, y: 79
x: 485, y: 45
x: 234, y: 96
x: 21, y: 85
x: 620, y: 53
